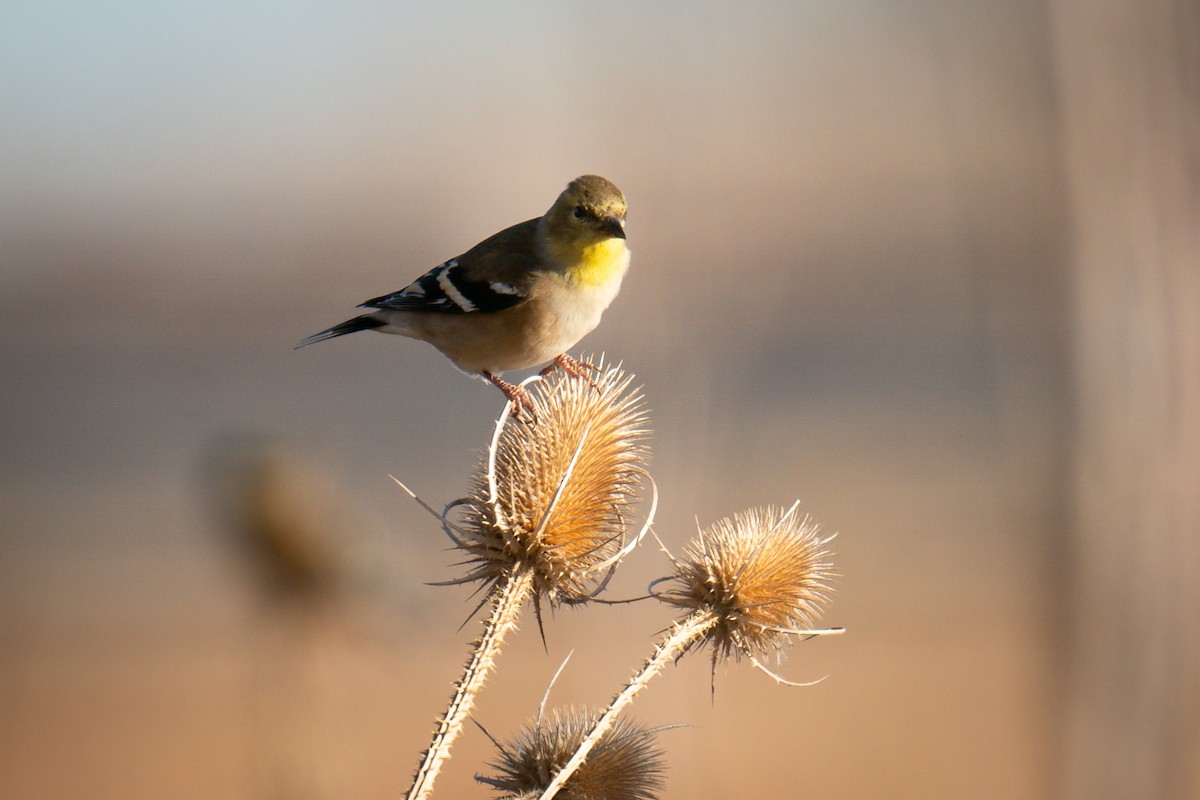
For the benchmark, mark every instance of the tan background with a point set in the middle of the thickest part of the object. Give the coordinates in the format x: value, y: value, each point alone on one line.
x: 852, y: 284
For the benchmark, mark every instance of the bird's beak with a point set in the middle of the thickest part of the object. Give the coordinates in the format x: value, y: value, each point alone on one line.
x: 613, y: 226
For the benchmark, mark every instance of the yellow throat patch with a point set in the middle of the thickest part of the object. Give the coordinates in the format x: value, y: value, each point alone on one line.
x: 601, y: 262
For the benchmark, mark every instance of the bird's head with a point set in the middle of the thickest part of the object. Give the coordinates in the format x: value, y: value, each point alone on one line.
x: 591, y: 210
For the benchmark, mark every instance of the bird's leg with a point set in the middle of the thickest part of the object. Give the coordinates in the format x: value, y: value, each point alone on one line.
x: 516, y: 395
x: 576, y: 369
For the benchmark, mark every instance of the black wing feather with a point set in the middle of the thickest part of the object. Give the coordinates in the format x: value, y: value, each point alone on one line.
x: 446, y: 289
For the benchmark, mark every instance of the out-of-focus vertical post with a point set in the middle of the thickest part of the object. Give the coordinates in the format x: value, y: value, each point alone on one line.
x: 1129, y: 82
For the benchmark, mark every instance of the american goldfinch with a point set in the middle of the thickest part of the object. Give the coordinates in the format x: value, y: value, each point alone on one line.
x: 519, y: 298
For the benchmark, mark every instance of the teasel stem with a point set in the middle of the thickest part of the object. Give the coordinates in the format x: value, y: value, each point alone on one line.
x: 684, y: 634
x: 750, y: 584
x: 507, y: 597
x: 547, y: 519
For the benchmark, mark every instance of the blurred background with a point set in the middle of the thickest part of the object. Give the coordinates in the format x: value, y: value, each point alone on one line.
x: 931, y: 268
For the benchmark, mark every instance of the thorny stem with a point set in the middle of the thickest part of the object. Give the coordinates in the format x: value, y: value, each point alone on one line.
x: 682, y: 636
x: 510, y: 593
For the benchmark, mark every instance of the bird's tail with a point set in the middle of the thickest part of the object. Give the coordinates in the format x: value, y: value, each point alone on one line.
x: 364, y: 323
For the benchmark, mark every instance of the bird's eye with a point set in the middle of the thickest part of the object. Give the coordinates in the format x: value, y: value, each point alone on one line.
x: 579, y: 212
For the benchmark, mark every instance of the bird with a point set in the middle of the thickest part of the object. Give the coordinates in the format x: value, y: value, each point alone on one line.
x: 518, y: 299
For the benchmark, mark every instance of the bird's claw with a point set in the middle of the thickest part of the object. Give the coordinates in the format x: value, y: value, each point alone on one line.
x: 576, y: 369
x: 518, y: 398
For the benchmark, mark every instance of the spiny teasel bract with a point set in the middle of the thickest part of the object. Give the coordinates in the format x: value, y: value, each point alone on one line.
x: 555, y: 496
x: 626, y: 764
x: 763, y: 574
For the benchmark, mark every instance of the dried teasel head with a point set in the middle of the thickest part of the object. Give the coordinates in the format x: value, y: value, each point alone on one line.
x: 762, y: 574
x: 626, y: 764
x: 555, y: 496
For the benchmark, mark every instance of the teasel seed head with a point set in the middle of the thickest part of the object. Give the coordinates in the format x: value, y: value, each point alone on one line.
x: 762, y: 574
x: 626, y: 763
x: 555, y: 495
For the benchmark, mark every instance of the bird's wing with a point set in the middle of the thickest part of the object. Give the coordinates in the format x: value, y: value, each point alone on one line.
x: 493, y: 275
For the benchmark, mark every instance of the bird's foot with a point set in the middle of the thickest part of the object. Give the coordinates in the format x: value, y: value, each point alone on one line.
x: 576, y: 369
x: 517, y: 396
